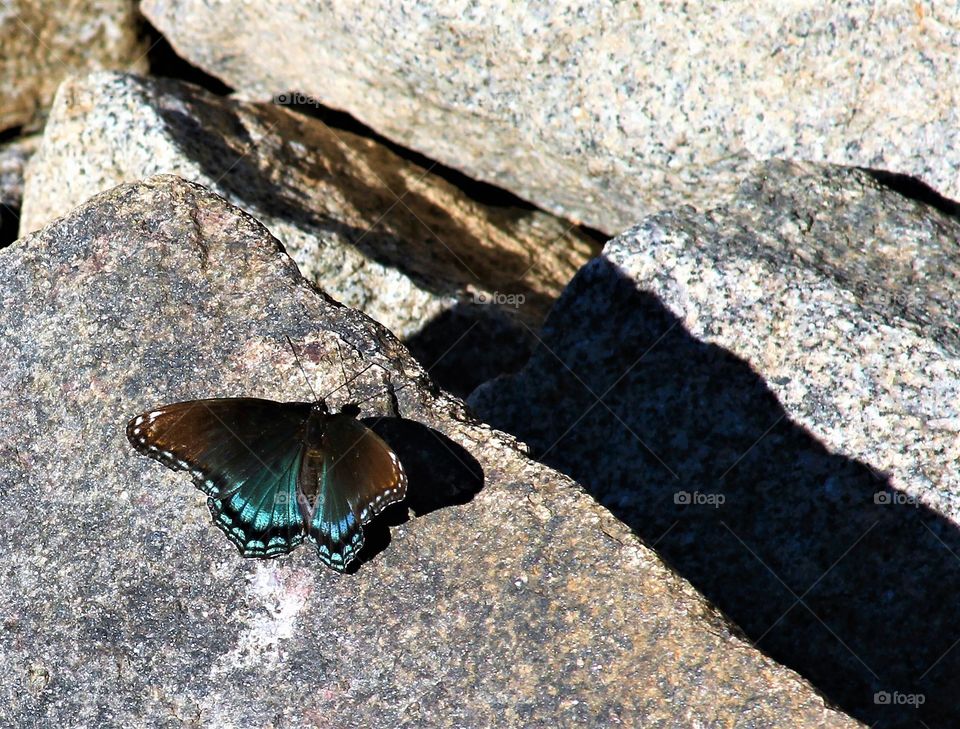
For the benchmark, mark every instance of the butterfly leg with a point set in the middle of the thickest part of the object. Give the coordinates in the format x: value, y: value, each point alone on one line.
x: 392, y: 396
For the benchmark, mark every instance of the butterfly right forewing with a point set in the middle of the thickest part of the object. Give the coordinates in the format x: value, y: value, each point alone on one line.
x: 367, y: 463
x: 350, y: 474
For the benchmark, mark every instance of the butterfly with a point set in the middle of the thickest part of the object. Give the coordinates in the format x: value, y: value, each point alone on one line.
x: 276, y: 473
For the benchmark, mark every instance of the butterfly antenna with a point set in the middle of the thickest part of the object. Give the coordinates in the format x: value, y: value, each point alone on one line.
x: 346, y: 380
x: 300, y: 365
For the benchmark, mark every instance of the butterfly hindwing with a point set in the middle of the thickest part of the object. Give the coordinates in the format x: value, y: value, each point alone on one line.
x: 262, y: 517
x: 245, y: 454
x: 349, y: 475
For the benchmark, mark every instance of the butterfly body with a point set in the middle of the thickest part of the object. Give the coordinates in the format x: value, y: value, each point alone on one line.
x: 277, y: 473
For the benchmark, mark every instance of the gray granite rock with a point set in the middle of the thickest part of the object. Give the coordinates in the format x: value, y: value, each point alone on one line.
x: 604, y: 112
x: 769, y: 394
x: 378, y: 232
x: 46, y: 41
x: 527, y: 604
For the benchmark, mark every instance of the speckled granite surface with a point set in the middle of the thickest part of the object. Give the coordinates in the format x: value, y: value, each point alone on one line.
x: 46, y: 41
x: 377, y: 232
x: 527, y: 604
x: 608, y: 111
x: 768, y: 394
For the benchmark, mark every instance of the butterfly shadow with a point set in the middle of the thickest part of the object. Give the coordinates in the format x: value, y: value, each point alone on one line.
x: 440, y: 473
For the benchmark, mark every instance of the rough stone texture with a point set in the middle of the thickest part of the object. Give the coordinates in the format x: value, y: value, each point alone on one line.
x: 769, y: 393
x: 377, y: 232
x: 13, y: 159
x: 44, y: 41
x: 525, y: 605
x: 606, y: 111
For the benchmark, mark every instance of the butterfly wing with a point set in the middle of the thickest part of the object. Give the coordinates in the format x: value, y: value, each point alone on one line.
x: 348, y: 477
x: 245, y: 454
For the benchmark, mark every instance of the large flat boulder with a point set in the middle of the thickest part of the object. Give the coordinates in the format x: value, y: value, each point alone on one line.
x: 507, y: 596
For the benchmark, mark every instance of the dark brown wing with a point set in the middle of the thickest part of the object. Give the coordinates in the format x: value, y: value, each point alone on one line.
x: 245, y: 454
x: 348, y: 477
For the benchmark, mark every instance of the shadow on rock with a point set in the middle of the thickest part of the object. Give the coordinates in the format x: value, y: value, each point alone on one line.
x: 819, y: 561
x: 462, y: 347
x: 468, y: 345
x: 915, y: 189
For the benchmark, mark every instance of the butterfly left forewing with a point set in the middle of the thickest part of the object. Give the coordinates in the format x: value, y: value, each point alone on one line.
x: 244, y: 453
